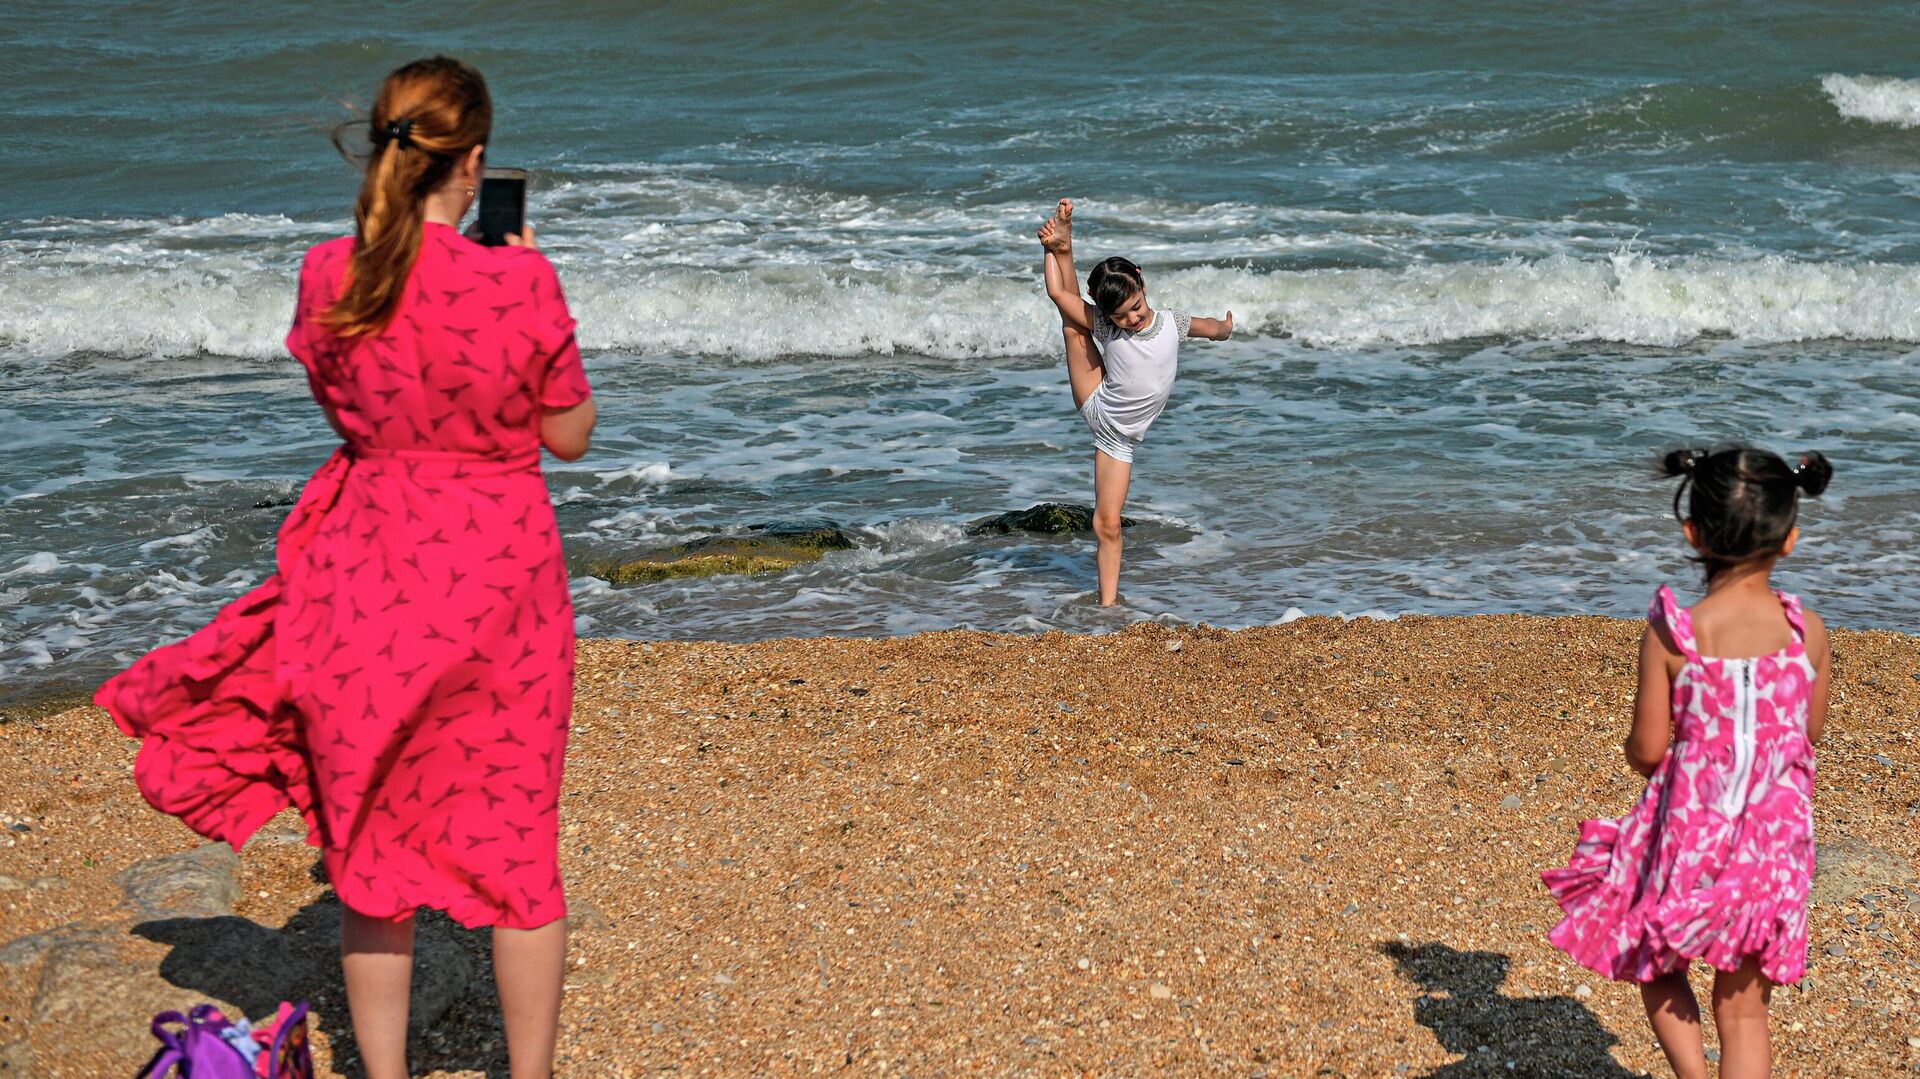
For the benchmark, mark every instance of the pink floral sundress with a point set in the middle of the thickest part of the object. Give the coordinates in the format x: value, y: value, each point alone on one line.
x: 1716, y: 859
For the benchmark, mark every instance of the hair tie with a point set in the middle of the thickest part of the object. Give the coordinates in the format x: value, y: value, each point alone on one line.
x: 1692, y: 461
x: 400, y: 131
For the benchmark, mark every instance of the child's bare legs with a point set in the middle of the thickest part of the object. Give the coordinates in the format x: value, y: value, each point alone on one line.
x: 1675, y: 1015
x: 529, y: 967
x: 1084, y: 375
x: 1740, y: 1002
x: 1084, y: 370
x: 376, y: 956
x: 1110, y: 479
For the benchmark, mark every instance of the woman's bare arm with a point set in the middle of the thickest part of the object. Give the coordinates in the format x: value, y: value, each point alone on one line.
x: 567, y: 432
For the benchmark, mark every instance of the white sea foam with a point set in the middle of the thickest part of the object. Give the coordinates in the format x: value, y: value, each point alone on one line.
x: 643, y: 472
x: 774, y: 311
x: 1877, y: 99
x: 664, y: 261
x: 37, y: 564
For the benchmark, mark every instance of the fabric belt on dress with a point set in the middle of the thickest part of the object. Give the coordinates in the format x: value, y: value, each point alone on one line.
x: 445, y: 464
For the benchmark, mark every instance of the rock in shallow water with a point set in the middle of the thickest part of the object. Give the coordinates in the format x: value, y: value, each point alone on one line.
x: 1046, y: 517
x: 763, y: 548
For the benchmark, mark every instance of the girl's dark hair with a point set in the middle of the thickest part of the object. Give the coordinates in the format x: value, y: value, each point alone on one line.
x: 1112, y: 282
x: 1744, y: 501
x: 426, y: 116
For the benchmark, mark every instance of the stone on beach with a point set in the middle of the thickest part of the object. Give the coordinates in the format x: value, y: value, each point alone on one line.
x: 1844, y: 868
x: 173, y: 941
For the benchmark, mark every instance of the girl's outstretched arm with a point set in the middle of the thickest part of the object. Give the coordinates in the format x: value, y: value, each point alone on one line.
x: 1213, y: 329
x: 1653, y: 703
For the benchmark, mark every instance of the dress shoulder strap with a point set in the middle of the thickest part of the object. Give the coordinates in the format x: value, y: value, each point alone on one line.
x: 1796, y: 619
x: 1667, y: 613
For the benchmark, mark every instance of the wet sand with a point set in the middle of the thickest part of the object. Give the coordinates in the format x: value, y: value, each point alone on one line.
x: 1302, y: 850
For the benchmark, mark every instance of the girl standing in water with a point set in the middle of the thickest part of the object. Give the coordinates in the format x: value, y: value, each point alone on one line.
x: 1716, y: 859
x: 1120, y: 394
x: 406, y: 679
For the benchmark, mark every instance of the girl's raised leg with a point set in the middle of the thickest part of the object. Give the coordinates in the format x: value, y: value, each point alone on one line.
x: 376, y: 957
x: 530, y: 966
x: 1740, y: 1002
x: 1675, y: 1015
x: 1110, y: 479
x: 1084, y: 371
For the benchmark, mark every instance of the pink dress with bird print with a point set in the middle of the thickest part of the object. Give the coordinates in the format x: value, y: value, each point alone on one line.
x: 1716, y: 859
x: 406, y: 678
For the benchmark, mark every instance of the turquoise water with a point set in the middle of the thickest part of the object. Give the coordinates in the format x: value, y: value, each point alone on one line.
x: 1484, y: 260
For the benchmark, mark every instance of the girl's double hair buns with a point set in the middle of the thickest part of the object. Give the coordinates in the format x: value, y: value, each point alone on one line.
x: 1112, y: 282
x: 1742, y: 501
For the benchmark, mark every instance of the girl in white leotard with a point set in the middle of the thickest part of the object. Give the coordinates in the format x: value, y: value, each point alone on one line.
x: 1121, y: 393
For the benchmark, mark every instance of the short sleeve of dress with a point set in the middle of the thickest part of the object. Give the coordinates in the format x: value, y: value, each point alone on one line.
x: 1182, y: 322
x: 1102, y: 328
x: 308, y: 340
x: 307, y: 308
x: 1666, y: 613
x: 564, y: 379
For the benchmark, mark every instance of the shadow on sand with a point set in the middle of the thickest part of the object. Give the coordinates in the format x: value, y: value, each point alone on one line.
x: 255, y: 967
x: 1496, y: 1034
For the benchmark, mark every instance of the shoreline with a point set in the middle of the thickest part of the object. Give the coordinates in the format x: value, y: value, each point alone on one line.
x: 1165, y: 850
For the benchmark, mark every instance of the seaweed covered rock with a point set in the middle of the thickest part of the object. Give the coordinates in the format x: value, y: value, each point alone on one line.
x: 1045, y: 517
x: 762, y: 548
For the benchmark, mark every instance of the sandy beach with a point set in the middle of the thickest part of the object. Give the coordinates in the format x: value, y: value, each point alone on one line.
x: 1302, y: 850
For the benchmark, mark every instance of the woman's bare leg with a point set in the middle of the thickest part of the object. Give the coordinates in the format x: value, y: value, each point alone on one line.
x: 1675, y: 1015
x: 1740, y: 1002
x: 1110, y: 479
x: 530, y: 966
x: 376, y: 957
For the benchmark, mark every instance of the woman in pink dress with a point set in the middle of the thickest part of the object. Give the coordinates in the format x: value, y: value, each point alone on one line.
x: 1716, y: 859
x: 406, y: 679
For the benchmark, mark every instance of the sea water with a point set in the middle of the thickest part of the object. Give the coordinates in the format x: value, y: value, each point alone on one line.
x: 1484, y: 262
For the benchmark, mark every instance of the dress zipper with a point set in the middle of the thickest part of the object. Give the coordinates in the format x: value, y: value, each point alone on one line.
x: 1734, y: 801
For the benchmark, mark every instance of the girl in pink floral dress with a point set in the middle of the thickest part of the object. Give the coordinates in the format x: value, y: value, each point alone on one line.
x: 1716, y: 859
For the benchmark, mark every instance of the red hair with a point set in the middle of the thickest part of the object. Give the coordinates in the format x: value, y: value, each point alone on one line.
x: 427, y: 116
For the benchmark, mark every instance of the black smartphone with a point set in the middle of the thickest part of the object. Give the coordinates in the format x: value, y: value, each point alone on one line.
x: 503, y: 206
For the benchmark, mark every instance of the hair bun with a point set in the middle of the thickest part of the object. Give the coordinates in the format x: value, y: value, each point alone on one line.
x: 1681, y: 462
x: 1814, y: 473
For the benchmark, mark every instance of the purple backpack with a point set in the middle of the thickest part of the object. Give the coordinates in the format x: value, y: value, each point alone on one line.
x: 209, y: 1047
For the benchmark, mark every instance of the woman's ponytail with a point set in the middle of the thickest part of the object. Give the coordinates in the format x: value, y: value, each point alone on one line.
x: 426, y: 116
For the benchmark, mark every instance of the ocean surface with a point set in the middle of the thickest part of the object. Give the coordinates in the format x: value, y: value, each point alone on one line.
x: 1485, y: 261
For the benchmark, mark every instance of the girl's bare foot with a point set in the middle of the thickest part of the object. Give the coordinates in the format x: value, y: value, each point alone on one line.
x: 1057, y: 234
